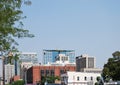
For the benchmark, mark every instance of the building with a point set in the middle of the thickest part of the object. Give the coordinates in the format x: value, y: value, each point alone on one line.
x: 26, y: 60
x: 49, y: 56
x: 36, y: 73
x: 61, y: 60
x: 9, y: 72
x: 85, y: 63
x: 28, y: 57
x: 92, y: 70
x: 79, y: 78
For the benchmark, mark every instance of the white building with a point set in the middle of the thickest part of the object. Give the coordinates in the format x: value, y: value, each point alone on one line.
x: 79, y: 78
x: 9, y: 72
x: 91, y: 70
x: 61, y: 60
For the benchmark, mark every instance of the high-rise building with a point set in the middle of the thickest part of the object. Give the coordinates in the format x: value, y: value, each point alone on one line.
x: 49, y: 56
x: 26, y: 59
x: 84, y: 61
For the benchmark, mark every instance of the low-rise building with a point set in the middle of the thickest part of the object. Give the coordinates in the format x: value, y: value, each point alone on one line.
x: 35, y: 73
x: 91, y: 70
x: 79, y: 78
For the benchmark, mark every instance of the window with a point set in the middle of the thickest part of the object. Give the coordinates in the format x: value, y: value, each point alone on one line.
x: 91, y: 78
x: 52, y: 72
x: 61, y: 71
x: 78, y: 78
x: 42, y: 72
x: 85, y: 78
x: 47, y: 72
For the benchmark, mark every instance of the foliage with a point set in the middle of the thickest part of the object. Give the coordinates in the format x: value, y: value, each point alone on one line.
x: 49, y: 79
x: 11, y: 25
x: 18, y: 82
x: 112, y: 67
x: 99, y: 81
x: 116, y: 55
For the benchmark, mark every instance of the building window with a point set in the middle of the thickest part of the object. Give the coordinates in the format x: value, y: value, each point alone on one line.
x: 61, y: 71
x: 85, y: 78
x: 78, y: 78
x: 42, y: 72
x: 47, y: 72
x: 52, y: 72
x: 91, y: 78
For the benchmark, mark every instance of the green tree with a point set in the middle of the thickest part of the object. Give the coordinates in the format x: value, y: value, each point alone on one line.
x: 18, y: 82
x: 116, y: 55
x: 112, y: 67
x: 98, y: 79
x: 49, y: 79
x: 11, y: 25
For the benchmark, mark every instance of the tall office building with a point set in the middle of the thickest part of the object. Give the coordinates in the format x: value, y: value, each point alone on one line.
x: 49, y: 56
x: 26, y: 59
x: 84, y: 61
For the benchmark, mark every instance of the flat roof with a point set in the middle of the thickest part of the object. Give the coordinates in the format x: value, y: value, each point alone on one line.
x: 60, y: 50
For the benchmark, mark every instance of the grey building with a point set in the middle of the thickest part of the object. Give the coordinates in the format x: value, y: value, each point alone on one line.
x: 84, y: 61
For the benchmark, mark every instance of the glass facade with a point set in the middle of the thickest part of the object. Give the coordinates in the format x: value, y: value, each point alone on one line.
x: 28, y: 57
x: 25, y: 57
x: 50, y: 55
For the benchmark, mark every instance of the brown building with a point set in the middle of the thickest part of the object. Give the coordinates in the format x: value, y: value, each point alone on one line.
x: 35, y: 73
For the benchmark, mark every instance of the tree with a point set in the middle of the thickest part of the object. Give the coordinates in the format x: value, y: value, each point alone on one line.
x: 111, y: 68
x: 99, y: 81
x: 49, y: 79
x: 11, y: 25
x: 18, y: 82
x: 116, y: 55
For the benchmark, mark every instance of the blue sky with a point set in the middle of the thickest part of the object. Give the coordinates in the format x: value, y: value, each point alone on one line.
x: 87, y: 26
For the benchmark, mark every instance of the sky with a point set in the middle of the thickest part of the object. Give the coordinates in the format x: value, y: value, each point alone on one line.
x: 87, y: 26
